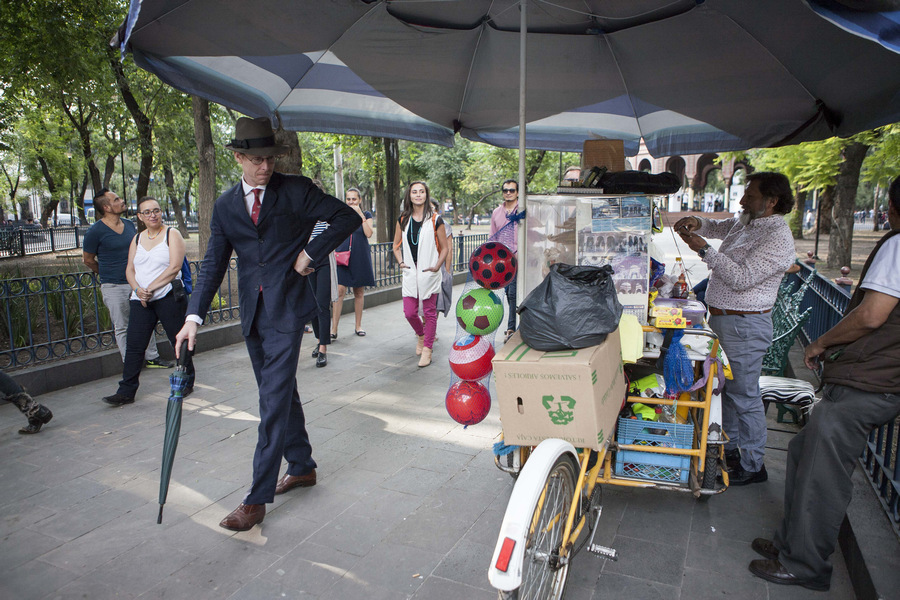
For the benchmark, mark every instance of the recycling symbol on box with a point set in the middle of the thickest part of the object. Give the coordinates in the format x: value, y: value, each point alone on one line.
x: 562, y: 411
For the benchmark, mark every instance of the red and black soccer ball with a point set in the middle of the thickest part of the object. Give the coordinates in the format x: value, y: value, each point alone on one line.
x: 493, y: 265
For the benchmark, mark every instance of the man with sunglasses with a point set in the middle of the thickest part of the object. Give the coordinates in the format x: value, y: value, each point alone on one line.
x: 505, y: 229
x: 105, y: 253
x: 267, y: 219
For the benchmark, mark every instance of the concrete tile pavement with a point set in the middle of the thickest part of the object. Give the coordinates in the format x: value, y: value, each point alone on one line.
x: 408, y: 503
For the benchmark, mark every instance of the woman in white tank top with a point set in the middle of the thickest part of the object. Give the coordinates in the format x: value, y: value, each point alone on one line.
x: 154, y: 262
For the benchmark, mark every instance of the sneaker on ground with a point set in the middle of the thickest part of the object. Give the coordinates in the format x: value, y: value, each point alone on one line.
x: 159, y: 363
x: 118, y: 399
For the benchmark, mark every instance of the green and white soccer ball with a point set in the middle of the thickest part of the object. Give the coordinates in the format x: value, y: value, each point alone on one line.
x: 479, y: 311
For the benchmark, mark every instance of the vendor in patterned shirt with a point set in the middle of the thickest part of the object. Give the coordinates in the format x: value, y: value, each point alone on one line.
x: 745, y: 272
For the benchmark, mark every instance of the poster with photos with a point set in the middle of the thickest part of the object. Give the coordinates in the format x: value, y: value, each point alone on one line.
x: 615, y: 230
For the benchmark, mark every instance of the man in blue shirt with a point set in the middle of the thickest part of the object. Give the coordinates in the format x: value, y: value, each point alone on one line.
x: 106, y: 246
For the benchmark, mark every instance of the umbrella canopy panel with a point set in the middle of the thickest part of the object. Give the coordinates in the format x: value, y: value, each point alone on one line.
x: 687, y: 76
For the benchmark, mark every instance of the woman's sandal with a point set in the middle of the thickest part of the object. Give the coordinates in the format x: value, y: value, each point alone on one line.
x: 361, y: 332
x: 334, y: 336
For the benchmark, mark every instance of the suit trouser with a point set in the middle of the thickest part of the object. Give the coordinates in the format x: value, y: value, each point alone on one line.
x: 745, y: 339
x: 818, y: 488
x: 117, y: 298
x: 320, y: 282
x: 282, y: 426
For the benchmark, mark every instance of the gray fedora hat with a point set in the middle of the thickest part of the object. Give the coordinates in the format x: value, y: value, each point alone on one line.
x: 255, y: 137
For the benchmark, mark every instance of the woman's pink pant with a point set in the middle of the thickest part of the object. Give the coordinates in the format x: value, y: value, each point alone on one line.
x: 429, y: 308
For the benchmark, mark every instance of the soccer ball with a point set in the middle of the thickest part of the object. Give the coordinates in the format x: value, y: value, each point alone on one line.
x: 470, y: 357
x: 492, y: 265
x: 479, y: 311
x: 468, y: 402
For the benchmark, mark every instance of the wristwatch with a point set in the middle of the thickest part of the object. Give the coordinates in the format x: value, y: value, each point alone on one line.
x: 702, y: 251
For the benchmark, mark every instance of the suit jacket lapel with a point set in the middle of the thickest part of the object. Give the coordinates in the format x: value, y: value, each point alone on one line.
x: 270, y: 198
x: 239, y: 206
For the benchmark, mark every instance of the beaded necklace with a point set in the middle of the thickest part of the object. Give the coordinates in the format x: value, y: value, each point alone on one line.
x: 415, y: 242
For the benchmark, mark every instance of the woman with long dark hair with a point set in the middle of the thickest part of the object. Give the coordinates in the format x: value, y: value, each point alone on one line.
x: 358, y: 273
x: 420, y: 246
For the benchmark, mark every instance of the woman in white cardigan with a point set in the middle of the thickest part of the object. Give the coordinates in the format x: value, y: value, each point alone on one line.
x: 420, y: 246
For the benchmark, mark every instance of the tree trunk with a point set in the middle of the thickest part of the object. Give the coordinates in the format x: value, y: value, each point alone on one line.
x: 81, y: 124
x: 81, y: 214
x: 826, y: 202
x: 109, y: 170
x: 795, y: 219
x: 25, y: 210
x: 173, y: 200
x: 534, y: 168
x: 292, y: 162
x: 840, y: 244
x: 13, y: 187
x: 141, y: 121
x: 391, y: 193
x: 48, y: 208
x: 206, y: 152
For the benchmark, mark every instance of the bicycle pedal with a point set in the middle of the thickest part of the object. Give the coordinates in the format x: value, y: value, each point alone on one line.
x: 603, y: 552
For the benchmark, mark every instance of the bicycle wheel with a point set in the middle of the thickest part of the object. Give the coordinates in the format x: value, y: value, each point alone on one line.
x: 543, y: 577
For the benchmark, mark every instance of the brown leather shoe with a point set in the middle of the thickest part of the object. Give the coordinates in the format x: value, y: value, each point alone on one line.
x: 289, y: 482
x: 244, y: 517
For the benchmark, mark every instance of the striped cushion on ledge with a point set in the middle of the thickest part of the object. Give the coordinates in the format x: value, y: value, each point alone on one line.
x: 785, y: 390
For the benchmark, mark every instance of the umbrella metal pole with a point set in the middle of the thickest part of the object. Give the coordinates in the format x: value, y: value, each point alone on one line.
x: 523, y: 191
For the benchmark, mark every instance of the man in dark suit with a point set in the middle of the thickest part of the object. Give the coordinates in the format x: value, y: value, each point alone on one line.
x: 267, y: 219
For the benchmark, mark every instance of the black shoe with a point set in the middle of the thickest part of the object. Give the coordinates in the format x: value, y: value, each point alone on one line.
x: 321, y: 360
x: 159, y: 363
x: 41, y: 418
x: 334, y: 336
x: 774, y: 571
x: 118, y: 399
x: 733, y: 460
x: 743, y: 477
x: 315, y: 353
x: 765, y: 548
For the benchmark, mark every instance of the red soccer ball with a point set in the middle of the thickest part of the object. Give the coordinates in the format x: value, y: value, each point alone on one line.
x: 468, y: 402
x: 492, y: 265
x: 470, y: 357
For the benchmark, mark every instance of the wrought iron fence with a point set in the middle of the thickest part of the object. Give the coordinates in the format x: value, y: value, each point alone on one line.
x: 22, y: 241
x: 29, y: 240
x: 880, y: 458
x: 50, y: 317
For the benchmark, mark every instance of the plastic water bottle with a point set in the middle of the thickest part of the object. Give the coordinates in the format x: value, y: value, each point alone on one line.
x: 665, y: 414
x: 680, y: 289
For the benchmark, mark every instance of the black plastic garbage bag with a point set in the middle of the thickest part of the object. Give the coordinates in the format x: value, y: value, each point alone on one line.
x: 574, y: 307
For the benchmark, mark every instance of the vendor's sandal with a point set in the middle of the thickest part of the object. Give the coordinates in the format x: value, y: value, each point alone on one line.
x: 361, y: 332
x: 509, y: 334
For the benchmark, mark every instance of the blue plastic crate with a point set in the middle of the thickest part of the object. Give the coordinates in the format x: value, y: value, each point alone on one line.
x: 648, y: 465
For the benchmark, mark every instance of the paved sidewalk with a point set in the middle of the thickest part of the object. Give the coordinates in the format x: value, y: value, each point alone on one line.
x: 408, y: 503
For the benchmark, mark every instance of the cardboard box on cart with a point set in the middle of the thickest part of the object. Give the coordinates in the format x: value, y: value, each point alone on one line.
x: 574, y: 395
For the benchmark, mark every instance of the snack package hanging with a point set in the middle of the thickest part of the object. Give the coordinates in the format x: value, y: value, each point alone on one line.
x: 573, y: 307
